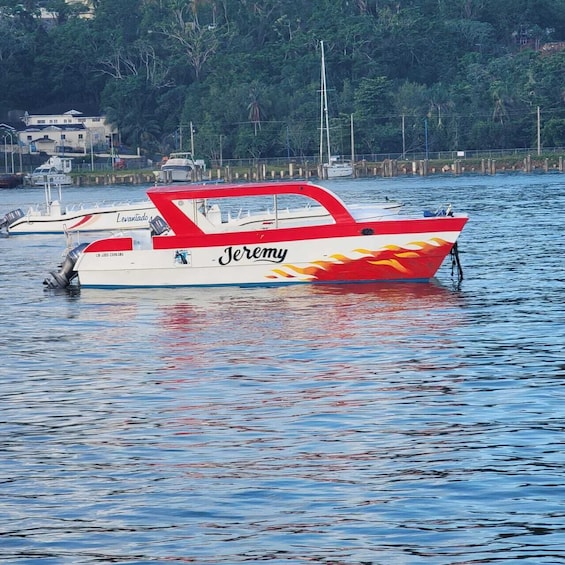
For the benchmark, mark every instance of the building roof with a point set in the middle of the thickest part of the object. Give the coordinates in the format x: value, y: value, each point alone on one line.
x: 55, y: 127
x: 12, y: 126
x: 60, y: 109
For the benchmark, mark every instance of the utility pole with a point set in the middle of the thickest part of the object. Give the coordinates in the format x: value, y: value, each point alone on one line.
x: 403, y: 137
x: 191, y: 140
x: 221, y: 150
x: 352, y: 142
x: 426, y: 136
x: 539, y: 132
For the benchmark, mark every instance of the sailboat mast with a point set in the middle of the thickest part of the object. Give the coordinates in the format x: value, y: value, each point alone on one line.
x: 322, y: 75
x: 352, y: 142
x: 324, y: 105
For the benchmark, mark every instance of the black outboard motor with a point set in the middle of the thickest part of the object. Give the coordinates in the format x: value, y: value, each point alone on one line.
x: 158, y: 226
x: 10, y: 218
x: 66, y: 273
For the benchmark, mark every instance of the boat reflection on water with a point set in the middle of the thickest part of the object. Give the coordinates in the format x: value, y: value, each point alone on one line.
x: 400, y: 294
x: 357, y: 301
x: 210, y: 326
x: 213, y: 361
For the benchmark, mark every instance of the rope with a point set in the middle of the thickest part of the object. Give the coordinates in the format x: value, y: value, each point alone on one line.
x: 456, y: 263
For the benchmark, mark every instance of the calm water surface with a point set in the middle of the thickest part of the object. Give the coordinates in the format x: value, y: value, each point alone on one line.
x: 403, y: 424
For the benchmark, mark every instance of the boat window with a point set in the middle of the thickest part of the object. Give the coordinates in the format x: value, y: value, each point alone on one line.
x: 256, y: 212
x: 168, y: 167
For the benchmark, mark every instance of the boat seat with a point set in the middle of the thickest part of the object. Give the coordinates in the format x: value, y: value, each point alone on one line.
x: 214, y: 215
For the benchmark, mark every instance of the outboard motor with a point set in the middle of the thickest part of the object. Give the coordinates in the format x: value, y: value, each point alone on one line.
x: 158, y: 226
x: 10, y: 218
x: 66, y: 273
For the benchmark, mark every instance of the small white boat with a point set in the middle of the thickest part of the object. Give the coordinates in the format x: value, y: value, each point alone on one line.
x: 54, y: 218
x: 203, y: 238
x: 55, y: 172
x: 180, y: 167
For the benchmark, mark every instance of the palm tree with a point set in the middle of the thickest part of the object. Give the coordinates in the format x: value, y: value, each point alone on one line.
x: 255, y: 110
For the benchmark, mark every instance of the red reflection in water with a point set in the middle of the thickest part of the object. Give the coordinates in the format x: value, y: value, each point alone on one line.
x: 230, y: 323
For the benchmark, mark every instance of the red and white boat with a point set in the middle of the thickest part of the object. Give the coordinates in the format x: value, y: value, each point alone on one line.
x: 308, y: 235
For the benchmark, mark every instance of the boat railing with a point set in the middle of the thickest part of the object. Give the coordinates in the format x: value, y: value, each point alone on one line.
x: 79, y: 206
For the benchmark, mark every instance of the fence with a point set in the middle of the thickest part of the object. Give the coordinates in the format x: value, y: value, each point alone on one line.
x: 9, y: 162
x: 380, y: 157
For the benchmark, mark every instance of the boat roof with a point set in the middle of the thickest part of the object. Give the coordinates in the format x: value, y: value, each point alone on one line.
x: 164, y: 198
x: 180, y: 155
x: 237, y: 190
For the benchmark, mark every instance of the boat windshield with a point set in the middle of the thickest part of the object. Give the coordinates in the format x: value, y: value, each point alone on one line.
x: 255, y: 212
x: 44, y: 170
x: 173, y: 167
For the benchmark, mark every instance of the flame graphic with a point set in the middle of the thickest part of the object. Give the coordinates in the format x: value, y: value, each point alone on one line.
x: 416, y: 260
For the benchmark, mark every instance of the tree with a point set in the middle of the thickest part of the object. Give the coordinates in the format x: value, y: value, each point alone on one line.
x: 553, y: 132
x: 373, y: 98
x: 254, y: 108
x: 250, y: 69
x: 194, y: 41
x: 130, y: 106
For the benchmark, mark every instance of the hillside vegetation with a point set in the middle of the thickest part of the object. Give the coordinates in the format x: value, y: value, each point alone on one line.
x: 440, y: 74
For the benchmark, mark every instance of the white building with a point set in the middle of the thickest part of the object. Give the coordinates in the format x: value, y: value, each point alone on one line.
x: 49, y: 17
x: 71, y: 132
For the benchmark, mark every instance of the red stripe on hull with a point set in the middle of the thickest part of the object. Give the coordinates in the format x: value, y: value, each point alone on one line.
x: 258, y: 237
x: 110, y: 244
x: 81, y: 222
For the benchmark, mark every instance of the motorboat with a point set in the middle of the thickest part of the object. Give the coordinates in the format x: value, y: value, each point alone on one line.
x: 53, y: 217
x: 55, y: 171
x: 263, y: 234
x: 180, y: 167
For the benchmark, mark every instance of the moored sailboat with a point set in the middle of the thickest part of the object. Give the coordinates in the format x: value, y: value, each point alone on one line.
x: 331, y: 166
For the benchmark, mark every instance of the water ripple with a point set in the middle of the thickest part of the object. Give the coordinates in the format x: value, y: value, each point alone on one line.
x: 401, y: 424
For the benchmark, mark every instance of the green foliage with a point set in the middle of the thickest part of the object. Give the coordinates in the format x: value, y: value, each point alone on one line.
x: 470, y: 73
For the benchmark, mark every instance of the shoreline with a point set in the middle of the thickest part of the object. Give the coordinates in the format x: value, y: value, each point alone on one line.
x: 385, y: 169
x: 363, y: 169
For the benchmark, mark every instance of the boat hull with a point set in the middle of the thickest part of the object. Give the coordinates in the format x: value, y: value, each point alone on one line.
x: 56, y: 179
x: 341, y: 170
x: 131, y: 262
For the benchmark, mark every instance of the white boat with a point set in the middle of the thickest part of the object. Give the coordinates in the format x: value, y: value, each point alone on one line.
x: 181, y: 167
x: 332, y: 167
x: 54, y: 218
x: 201, y: 239
x: 338, y: 169
x: 55, y: 171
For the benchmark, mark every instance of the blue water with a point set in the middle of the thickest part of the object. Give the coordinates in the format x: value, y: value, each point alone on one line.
x: 396, y: 424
